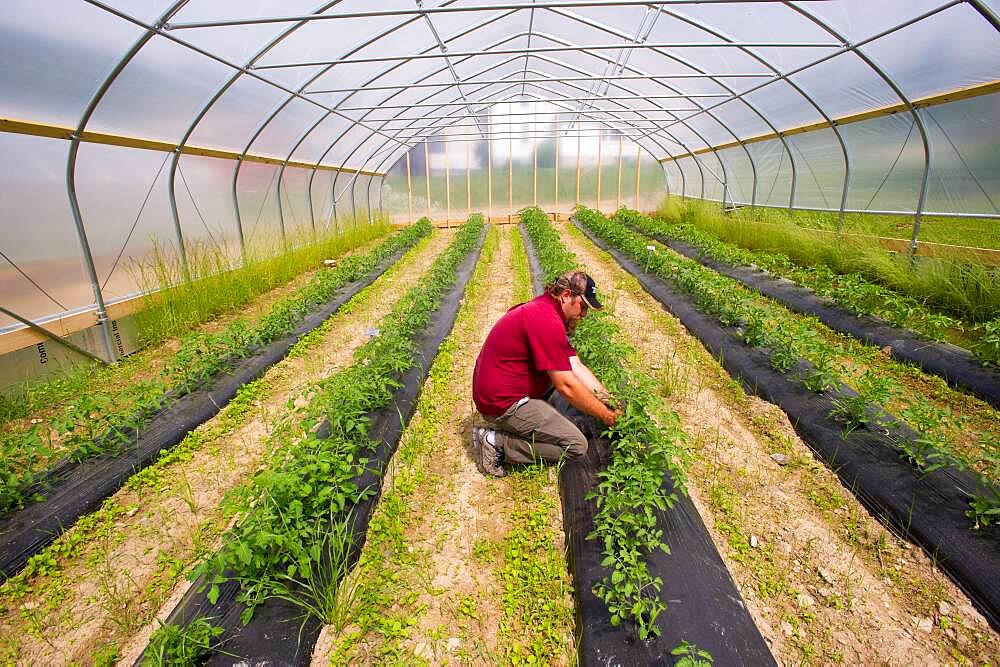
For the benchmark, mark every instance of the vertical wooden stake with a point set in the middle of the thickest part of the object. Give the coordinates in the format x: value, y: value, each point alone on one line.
x: 409, y: 188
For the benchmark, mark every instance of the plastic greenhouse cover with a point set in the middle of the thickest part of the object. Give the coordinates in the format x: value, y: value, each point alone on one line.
x: 704, y: 76
x: 50, y: 66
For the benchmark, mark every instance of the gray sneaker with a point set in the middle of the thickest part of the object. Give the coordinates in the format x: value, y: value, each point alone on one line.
x: 488, y: 457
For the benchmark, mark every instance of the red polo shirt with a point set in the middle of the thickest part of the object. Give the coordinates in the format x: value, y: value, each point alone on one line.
x: 527, y: 341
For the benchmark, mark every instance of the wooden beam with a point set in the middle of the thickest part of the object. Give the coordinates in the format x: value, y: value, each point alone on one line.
x: 59, y: 132
x: 67, y: 325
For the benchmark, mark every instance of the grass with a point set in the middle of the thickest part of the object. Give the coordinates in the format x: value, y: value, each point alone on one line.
x: 174, y: 305
x: 741, y: 503
x: 972, y: 232
x: 98, y: 422
x: 537, y: 593
x: 969, y: 290
x: 47, y: 575
x: 387, y: 594
x: 176, y: 308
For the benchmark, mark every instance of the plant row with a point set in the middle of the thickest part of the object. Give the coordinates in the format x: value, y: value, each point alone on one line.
x: 968, y: 290
x: 100, y: 423
x: 645, y: 447
x: 294, y: 526
x: 789, y: 337
x: 852, y: 291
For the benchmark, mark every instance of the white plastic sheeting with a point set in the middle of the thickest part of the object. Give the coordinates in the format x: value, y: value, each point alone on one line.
x: 358, y: 84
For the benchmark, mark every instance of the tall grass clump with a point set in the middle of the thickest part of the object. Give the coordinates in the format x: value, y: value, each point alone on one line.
x: 969, y: 291
x: 175, y: 304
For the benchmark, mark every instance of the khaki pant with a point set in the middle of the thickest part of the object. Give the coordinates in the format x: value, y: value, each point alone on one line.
x: 535, y: 430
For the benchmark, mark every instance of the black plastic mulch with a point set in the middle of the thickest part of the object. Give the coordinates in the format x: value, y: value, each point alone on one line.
x: 704, y: 607
x: 929, y: 509
x: 80, y: 488
x: 279, y: 633
x: 956, y: 365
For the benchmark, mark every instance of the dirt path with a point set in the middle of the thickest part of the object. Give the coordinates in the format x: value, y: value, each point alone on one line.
x: 113, y: 572
x: 825, y: 582
x: 458, y: 567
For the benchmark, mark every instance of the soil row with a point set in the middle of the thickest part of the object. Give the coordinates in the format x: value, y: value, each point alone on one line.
x: 283, y: 627
x: 824, y: 581
x: 104, y: 580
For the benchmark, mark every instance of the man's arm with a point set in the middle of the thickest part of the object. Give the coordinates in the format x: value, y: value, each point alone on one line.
x: 588, y: 379
x: 581, y: 397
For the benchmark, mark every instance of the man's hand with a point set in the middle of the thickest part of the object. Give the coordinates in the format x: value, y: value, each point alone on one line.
x: 582, y: 398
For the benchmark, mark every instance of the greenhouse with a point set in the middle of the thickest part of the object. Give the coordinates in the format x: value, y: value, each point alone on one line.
x: 500, y: 332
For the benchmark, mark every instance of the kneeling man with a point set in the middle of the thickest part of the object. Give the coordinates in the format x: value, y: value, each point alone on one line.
x: 526, y: 354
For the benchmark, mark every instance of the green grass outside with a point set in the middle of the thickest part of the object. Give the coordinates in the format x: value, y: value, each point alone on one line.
x: 974, y: 232
x: 969, y: 291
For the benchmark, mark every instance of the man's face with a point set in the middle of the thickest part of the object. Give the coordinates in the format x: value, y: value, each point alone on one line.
x: 574, y: 309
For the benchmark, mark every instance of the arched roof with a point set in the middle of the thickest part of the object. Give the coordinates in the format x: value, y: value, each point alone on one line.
x: 350, y: 86
x: 355, y: 83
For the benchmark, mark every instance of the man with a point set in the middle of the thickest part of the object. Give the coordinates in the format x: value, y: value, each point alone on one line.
x: 526, y: 354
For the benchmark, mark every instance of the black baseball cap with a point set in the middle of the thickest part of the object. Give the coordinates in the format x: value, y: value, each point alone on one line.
x: 589, y: 294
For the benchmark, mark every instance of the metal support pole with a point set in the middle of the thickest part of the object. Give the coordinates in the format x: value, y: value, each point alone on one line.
x: 618, y: 198
x: 447, y: 187
x: 427, y: 177
x: 51, y: 335
x: 354, y: 204
x: 919, y: 212
x: 725, y: 178
x: 468, y: 179
x: 578, y: 150
x: 172, y: 199
x: 638, y: 167
x: 556, y: 213
x: 510, y: 178
x: 309, y: 198
x: 597, y: 194
x: 534, y: 166
x: 368, y: 199
x: 333, y: 200
x: 281, y: 213
x: 236, y: 211
x: 409, y: 188
x: 489, y: 178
